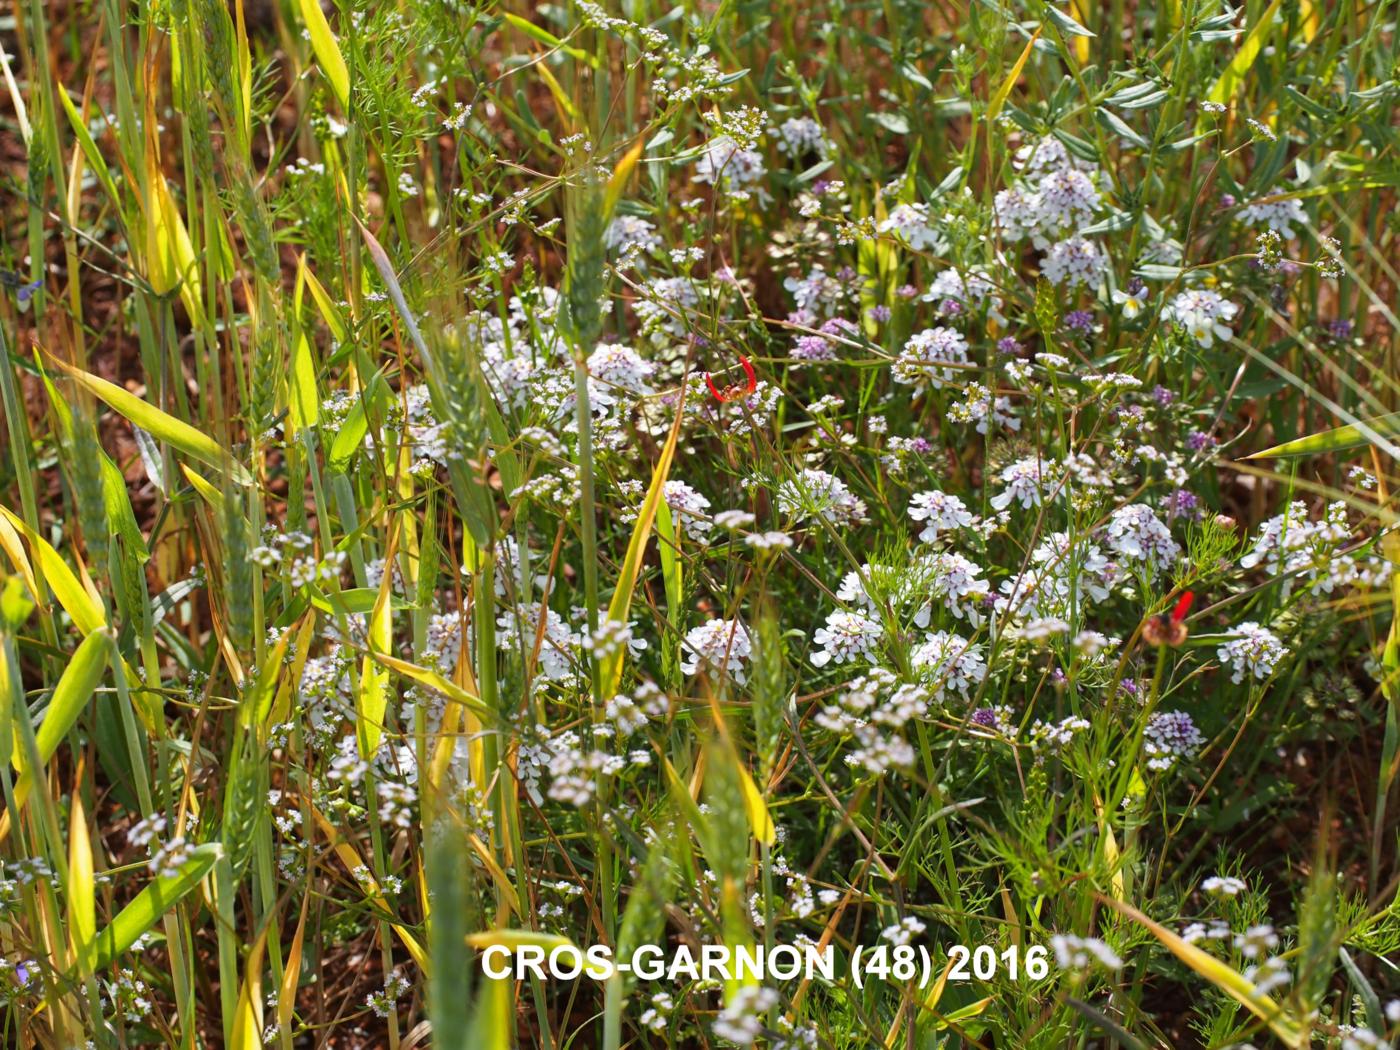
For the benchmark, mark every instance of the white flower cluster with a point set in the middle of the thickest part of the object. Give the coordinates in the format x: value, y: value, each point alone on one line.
x: 1291, y: 546
x: 1203, y: 313
x: 909, y: 223
x: 1056, y: 198
x: 1022, y: 481
x: 928, y: 354
x: 949, y: 663
x: 734, y: 168
x: 1169, y: 736
x: 1275, y: 215
x: 718, y: 647
x: 1061, y: 577
x: 1252, y: 650
x: 741, y: 1020
x: 558, y: 646
x: 1082, y: 953
x: 940, y: 512
x: 873, y: 710
x: 847, y: 637
x: 1138, y: 535
x: 969, y: 289
x: 798, y: 136
x: 816, y: 494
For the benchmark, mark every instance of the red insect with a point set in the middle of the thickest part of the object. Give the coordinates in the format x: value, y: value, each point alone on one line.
x: 738, y: 389
x: 1169, y: 629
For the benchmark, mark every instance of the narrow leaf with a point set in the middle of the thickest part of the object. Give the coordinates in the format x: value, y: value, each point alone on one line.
x: 1223, y: 91
x: 621, y: 603
x: 82, y: 892
x: 161, y: 425
x: 327, y: 50
x: 1339, y: 439
x: 159, y: 896
x: 1004, y: 92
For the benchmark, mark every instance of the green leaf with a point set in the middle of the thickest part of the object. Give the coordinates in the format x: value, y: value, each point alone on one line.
x: 351, y: 435
x: 548, y: 39
x: 1339, y: 439
x: 82, y: 892
x: 304, y: 407
x: 75, y: 598
x: 158, y: 424
x: 1120, y: 127
x: 621, y: 604
x: 75, y: 688
x: 1066, y: 23
x: 89, y: 147
x: 147, y: 907
x: 372, y: 699
x: 70, y: 697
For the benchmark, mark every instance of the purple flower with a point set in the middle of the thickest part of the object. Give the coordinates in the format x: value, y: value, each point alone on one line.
x: 813, y: 348
x: 879, y: 314
x: 907, y: 291
x: 1340, y: 331
x: 820, y: 187
x: 950, y: 307
x: 1007, y: 345
x: 1080, y: 320
x: 984, y: 717
x: 26, y: 291
x: 1183, y: 504
x: 22, y: 974
x: 1227, y: 200
x: 1162, y: 396
x: 1198, y: 439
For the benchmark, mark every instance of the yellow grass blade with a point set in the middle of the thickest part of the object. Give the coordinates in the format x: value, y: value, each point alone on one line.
x: 372, y: 700
x: 82, y: 891
x: 327, y: 51
x: 77, y: 600
x: 1223, y: 91
x: 1004, y: 92
x: 621, y: 603
x: 248, y: 1017
x: 1227, y: 979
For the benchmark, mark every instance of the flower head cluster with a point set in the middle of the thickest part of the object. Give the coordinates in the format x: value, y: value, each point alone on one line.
x: 847, y: 637
x: 910, y: 224
x: 940, y: 512
x: 1253, y: 651
x: 1291, y: 546
x: 1138, y: 535
x: 717, y: 647
x: 1082, y: 953
x: 1169, y: 736
x: 873, y: 710
x: 816, y: 494
x: 1276, y: 215
x: 950, y: 664
x: 1203, y: 313
x: 928, y: 354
